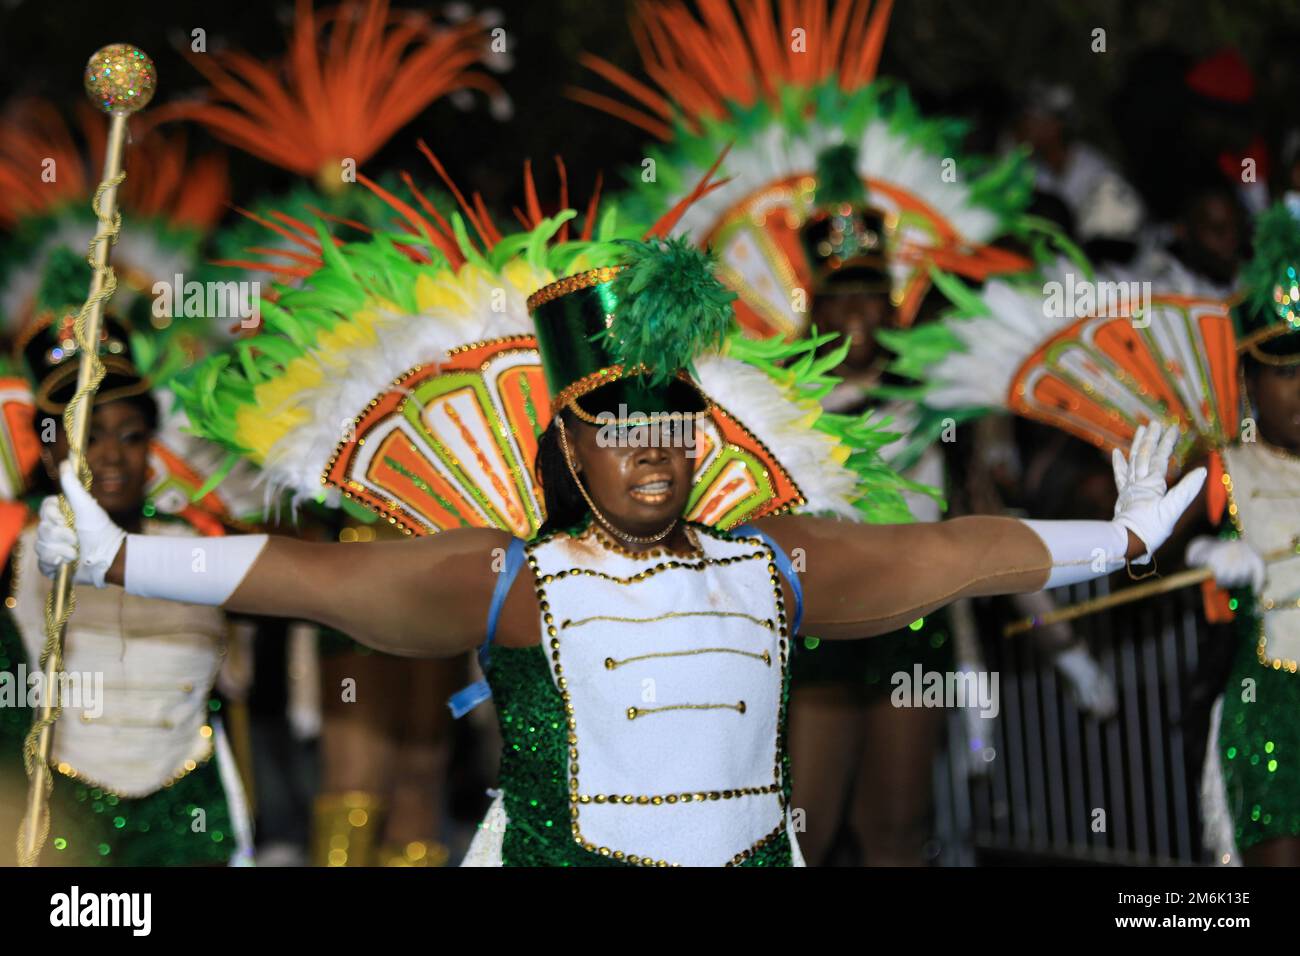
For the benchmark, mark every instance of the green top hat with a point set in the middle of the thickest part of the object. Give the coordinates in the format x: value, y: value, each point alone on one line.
x: 47, y: 345
x: 617, y: 342
x: 1268, y: 317
x: 844, y: 237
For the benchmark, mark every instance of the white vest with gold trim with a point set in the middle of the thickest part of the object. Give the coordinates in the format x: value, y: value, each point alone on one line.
x: 158, y: 661
x: 671, y: 668
x: 1266, y: 491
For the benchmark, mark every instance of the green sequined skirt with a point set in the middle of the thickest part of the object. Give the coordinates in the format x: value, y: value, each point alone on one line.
x: 186, y: 824
x: 1259, y: 740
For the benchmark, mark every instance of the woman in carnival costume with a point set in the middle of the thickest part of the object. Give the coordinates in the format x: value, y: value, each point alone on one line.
x: 1051, y: 348
x: 173, y: 201
x: 1251, y: 793
x: 640, y: 665
x: 840, y: 198
x: 143, y: 772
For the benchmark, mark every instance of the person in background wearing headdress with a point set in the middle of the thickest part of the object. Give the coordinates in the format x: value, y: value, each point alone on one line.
x: 143, y: 773
x: 1251, y: 791
x: 863, y: 765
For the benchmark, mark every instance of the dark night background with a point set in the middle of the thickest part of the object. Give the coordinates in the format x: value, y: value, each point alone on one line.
x: 958, y: 56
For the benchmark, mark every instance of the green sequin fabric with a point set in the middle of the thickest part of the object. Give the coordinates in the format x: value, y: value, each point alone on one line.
x: 1259, y: 741
x: 93, y: 827
x: 534, y: 768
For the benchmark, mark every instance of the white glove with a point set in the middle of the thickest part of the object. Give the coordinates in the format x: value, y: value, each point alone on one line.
x: 97, y: 538
x: 1234, y: 563
x: 1143, y: 506
x: 1083, y: 550
x: 1093, y: 690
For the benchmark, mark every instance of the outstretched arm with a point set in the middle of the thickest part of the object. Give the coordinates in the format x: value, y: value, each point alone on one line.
x: 422, y: 598
x: 860, y: 580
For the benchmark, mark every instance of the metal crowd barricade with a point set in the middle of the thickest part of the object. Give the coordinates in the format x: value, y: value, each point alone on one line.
x: 1050, y: 785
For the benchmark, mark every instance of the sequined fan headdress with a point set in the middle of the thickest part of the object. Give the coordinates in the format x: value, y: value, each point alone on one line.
x: 789, y: 83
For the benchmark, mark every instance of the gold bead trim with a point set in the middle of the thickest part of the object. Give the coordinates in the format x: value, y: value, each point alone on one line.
x: 1268, y: 604
x: 634, y: 712
x: 650, y: 572
x: 760, y: 621
x: 669, y: 799
x: 184, y: 770
x: 644, y: 419
x: 1276, y: 663
x: 589, y: 383
x: 740, y: 858
x: 612, y: 664
x: 524, y: 340
x: 595, y: 531
x: 573, y: 283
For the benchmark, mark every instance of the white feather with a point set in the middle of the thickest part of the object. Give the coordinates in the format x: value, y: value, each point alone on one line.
x: 996, y: 345
x: 762, y: 406
x: 350, y: 381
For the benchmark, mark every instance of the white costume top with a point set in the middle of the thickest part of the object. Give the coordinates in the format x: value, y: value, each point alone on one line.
x: 671, y: 669
x: 149, y: 665
x: 1265, y: 491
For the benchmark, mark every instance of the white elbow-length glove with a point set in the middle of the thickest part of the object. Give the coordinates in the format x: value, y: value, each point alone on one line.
x: 1234, y: 563
x: 1082, y: 550
x: 194, y: 570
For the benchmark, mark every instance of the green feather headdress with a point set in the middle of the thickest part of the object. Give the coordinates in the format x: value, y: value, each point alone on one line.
x: 672, y: 307
x: 1269, y: 316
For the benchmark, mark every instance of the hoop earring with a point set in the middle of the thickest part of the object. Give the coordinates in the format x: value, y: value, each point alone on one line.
x: 596, y: 512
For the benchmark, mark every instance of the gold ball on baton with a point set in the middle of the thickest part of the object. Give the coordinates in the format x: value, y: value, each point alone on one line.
x: 120, y: 79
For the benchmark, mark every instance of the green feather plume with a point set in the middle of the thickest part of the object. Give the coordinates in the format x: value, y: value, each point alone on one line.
x: 1276, y: 261
x: 837, y: 177
x: 671, y: 307
x: 64, y: 280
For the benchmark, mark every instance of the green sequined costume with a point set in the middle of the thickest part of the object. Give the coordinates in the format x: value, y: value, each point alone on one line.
x: 1259, y: 740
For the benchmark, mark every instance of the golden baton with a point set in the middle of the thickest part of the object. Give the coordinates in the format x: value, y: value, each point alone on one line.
x: 120, y: 79
x: 1172, y: 583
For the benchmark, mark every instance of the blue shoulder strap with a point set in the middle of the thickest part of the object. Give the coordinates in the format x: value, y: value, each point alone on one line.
x: 783, y: 565
x: 467, y: 698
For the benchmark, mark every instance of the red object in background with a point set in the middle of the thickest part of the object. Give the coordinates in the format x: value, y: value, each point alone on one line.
x: 1230, y: 163
x: 1223, y: 76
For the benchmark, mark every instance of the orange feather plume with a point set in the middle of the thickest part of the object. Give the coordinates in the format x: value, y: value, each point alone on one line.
x: 422, y: 219
x: 737, y: 51
x: 44, y: 165
x: 350, y: 79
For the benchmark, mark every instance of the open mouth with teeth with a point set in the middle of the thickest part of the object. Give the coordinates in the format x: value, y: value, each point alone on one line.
x: 653, y: 491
